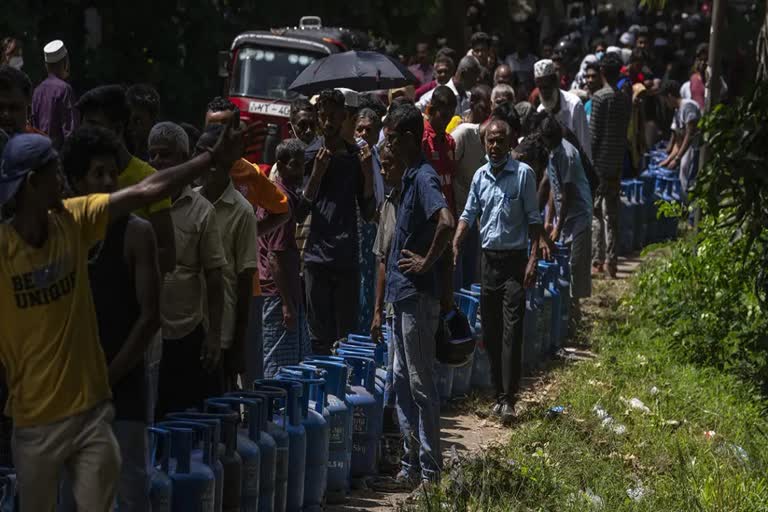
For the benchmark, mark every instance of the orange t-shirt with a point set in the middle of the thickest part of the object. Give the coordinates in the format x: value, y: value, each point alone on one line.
x: 260, y: 192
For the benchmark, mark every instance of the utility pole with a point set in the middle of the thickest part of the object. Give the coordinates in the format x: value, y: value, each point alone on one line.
x: 713, y: 85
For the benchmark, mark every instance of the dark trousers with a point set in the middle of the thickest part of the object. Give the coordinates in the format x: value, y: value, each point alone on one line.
x: 332, y: 304
x: 502, y: 303
x: 183, y: 382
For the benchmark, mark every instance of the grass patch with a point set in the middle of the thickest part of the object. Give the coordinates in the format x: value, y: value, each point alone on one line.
x: 701, y: 445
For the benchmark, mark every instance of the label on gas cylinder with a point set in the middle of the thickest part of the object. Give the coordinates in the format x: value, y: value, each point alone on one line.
x: 251, y: 479
x: 335, y: 464
x: 337, y: 431
x: 359, y: 448
x: 161, y: 502
x: 359, y: 421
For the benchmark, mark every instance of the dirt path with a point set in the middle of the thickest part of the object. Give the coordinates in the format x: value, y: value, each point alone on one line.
x: 463, y: 425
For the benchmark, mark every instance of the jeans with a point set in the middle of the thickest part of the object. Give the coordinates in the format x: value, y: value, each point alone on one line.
x: 415, y: 383
x: 502, y: 301
x: 332, y: 304
x: 389, y: 392
x: 605, y: 225
x: 83, y: 446
x: 254, y: 343
x: 133, y: 488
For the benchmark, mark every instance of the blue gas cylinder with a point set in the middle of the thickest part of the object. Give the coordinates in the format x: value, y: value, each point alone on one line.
x: 552, y: 274
x: 290, y: 419
x: 544, y: 317
x: 340, y: 422
x: 227, y: 453
x: 641, y: 218
x: 161, y: 485
x: 626, y: 220
x: 267, y: 446
x: 533, y: 300
x: 8, y: 490
x: 273, y: 398
x: 318, y: 433
x: 247, y: 449
x: 462, y: 375
x: 210, y: 455
x: 366, y: 416
x: 563, y: 258
x: 193, y: 482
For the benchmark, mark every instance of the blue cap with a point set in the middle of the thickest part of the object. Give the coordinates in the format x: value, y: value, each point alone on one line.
x: 23, y: 153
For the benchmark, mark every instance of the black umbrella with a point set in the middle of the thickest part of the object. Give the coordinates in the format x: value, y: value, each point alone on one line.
x: 359, y: 71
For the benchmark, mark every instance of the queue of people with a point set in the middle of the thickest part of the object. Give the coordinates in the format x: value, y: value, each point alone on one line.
x: 146, y: 265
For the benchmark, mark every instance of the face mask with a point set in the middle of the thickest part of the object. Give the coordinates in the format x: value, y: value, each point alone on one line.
x: 600, y: 55
x: 498, y: 162
x: 16, y: 62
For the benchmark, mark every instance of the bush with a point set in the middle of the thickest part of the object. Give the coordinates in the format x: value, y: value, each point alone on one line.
x: 704, y: 296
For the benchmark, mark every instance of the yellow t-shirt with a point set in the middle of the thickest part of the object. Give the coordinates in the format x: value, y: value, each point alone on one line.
x: 136, y: 170
x: 49, y: 338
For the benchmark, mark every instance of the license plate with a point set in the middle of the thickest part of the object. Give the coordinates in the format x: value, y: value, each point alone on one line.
x: 269, y: 109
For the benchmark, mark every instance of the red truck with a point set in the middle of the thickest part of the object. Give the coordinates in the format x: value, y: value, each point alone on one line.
x: 260, y: 66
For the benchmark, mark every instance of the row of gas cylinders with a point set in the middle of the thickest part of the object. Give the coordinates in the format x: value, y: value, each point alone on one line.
x: 639, y: 223
x: 291, y: 443
x: 545, y: 327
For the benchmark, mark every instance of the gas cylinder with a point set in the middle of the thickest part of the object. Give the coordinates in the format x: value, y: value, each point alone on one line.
x: 563, y: 258
x: 340, y: 422
x: 366, y: 416
x: 248, y: 450
x: 161, y: 485
x: 530, y: 335
x: 226, y: 453
x: 267, y: 446
x: 551, y: 272
x: 297, y: 440
x: 211, y: 454
x: 194, y: 483
x: 318, y: 433
x: 272, y: 398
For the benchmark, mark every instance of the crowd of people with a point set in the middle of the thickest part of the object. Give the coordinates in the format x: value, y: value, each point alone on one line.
x: 146, y: 265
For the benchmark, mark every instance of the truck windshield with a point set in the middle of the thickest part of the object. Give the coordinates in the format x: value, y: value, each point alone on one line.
x: 267, y: 72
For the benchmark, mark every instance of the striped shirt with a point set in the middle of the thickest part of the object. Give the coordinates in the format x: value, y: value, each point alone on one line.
x: 611, y: 110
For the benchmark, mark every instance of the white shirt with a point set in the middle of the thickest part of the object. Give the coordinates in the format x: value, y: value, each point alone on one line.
x: 572, y: 115
x: 462, y: 103
x: 470, y: 156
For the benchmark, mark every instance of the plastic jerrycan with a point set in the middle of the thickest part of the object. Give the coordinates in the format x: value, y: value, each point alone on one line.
x: 563, y: 258
x: 267, y: 446
x: 247, y: 449
x: 273, y: 398
x: 161, y: 485
x: 318, y: 433
x: 228, y: 493
x: 291, y: 420
x: 194, y: 483
x: 367, y: 416
x: 340, y: 425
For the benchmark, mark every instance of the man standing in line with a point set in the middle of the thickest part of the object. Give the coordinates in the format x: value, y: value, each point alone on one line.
x: 438, y: 146
x: 53, y: 101
x: 54, y: 364
x: 191, y: 332
x: 611, y: 110
x: 337, y: 186
x: 572, y: 198
x: 422, y: 68
x: 565, y: 106
x: 260, y: 193
x: 239, y: 232
x: 467, y: 73
x: 422, y: 233
x: 503, y: 197
x: 125, y: 283
x: 284, y: 321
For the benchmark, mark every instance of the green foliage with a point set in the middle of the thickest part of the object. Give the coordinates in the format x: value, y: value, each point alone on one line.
x: 703, y: 297
x: 575, y: 462
x: 733, y: 186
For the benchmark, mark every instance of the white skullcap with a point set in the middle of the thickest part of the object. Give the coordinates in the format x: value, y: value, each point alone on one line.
x: 627, y: 38
x: 613, y: 49
x: 544, y: 67
x: 626, y: 54
x: 54, y: 51
x: 351, y: 98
